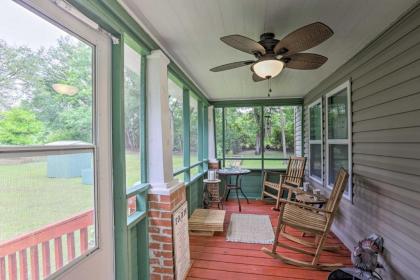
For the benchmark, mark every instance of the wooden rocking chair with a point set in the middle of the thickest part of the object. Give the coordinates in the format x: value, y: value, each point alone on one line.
x: 309, y: 219
x: 290, y: 181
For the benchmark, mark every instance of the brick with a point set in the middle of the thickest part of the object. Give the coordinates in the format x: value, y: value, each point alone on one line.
x: 154, y: 245
x: 166, y: 215
x: 167, y: 231
x: 161, y: 222
x: 163, y: 270
x: 154, y: 214
x: 153, y: 229
x: 155, y: 276
x: 164, y: 198
x: 160, y: 238
x: 168, y: 263
x: 168, y: 277
x: 158, y: 254
x: 167, y: 247
x: 153, y: 197
x: 159, y: 206
x: 154, y: 261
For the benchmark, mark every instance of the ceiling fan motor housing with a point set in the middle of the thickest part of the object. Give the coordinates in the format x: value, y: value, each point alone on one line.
x: 268, y: 41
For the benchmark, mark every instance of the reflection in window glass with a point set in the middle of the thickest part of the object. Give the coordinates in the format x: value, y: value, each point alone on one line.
x: 315, y: 122
x: 132, y: 65
x: 193, y: 130
x: 316, y: 160
x: 338, y: 157
x: 45, y: 85
x: 338, y: 116
x: 315, y: 141
x: 177, y: 124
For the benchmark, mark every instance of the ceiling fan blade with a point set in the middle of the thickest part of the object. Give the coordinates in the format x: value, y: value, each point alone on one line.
x: 244, y: 44
x: 231, y: 65
x: 257, y: 78
x: 304, y: 61
x: 303, y: 39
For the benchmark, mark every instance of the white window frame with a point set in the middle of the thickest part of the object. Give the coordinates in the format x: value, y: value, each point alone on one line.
x: 315, y: 178
x: 103, y: 252
x: 346, y: 85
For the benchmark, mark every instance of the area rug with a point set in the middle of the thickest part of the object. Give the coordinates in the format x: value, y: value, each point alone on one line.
x: 250, y: 228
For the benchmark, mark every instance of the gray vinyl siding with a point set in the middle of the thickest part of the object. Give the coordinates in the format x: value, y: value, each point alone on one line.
x: 385, y: 80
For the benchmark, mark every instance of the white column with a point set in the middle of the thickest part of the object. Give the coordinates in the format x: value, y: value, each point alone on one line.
x: 212, y: 152
x: 158, y: 125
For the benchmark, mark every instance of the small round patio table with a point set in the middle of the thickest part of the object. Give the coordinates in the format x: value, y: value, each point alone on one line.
x: 237, y: 173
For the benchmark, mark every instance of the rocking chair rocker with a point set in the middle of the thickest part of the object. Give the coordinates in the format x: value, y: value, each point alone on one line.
x: 309, y: 220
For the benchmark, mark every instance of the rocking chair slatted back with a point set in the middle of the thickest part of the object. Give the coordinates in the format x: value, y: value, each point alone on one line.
x: 295, y: 171
x: 337, y: 191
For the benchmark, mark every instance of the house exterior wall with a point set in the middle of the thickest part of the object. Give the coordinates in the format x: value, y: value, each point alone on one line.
x: 385, y: 79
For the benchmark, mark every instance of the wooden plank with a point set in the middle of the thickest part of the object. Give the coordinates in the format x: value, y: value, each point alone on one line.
x: 12, y: 266
x: 58, y: 253
x: 83, y: 240
x: 46, y: 262
x: 70, y: 247
x: 34, y: 262
x: 2, y: 267
x: 23, y: 265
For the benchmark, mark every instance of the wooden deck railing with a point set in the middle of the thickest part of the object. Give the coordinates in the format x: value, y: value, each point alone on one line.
x: 29, y: 244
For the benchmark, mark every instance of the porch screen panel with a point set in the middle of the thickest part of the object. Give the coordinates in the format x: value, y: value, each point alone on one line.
x: 279, y: 136
x: 47, y: 145
x: 243, y: 146
x: 194, y: 123
x: 177, y: 125
x: 132, y: 107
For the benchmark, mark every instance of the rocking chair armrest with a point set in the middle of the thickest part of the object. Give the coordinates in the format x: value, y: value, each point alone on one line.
x: 303, y: 205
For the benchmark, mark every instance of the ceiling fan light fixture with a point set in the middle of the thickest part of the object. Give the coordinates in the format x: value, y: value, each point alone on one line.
x: 268, y: 68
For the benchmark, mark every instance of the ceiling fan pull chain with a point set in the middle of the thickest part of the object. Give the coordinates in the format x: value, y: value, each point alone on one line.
x: 269, y: 87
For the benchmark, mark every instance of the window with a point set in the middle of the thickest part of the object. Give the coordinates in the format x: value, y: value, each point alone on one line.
x: 48, y: 142
x: 132, y: 109
x: 194, y: 137
x: 177, y: 124
x: 315, y: 141
x: 218, y: 123
x: 339, y: 150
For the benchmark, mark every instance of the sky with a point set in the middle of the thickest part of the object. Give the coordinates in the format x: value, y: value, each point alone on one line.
x: 19, y: 26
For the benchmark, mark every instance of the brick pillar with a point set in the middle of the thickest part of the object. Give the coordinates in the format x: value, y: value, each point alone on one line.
x: 161, y: 248
x: 166, y: 193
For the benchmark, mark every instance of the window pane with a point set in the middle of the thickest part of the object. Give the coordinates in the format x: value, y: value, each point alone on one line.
x: 338, y: 116
x: 315, y: 163
x: 279, y: 132
x: 45, y: 84
x: 243, y: 134
x: 177, y: 124
x: 45, y: 198
x: 315, y: 116
x: 132, y: 89
x: 338, y: 157
x: 219, y: 132
x: 193, y: 130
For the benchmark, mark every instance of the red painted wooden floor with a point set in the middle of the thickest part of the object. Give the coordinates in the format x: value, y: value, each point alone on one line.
x: 215, y: 258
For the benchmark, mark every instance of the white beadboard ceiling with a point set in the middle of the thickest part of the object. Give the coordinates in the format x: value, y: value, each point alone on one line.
x: 189, y: 30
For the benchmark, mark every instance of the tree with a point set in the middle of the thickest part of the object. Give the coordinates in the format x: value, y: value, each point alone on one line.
x: 19, y: 127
